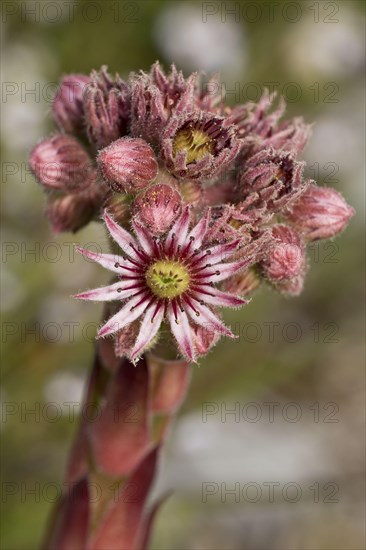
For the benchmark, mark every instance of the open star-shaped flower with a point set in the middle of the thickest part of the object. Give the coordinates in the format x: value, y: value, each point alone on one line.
x: 170, y: 279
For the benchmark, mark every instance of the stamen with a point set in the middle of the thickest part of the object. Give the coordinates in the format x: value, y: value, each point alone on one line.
x: 202, y: 291
x: 139, y: 253
x: 187, y: 247
x: 180, y: 304
x: 175, y: 312
x: 134, y: 262
x: 186, y: 299
x: 140, y: 302
x: 129, y: 287
x: 134, y: 270
x: 134, y: 278
x: 198, y: 260
x: 158, y: 306
x: 200, y: 268
x: 205, y: 275
x: 171, y: 246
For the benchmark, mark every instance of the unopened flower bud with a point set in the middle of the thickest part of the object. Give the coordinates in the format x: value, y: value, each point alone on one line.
x: 275, y: 177
x: 205, y: 338
x: 292, y: 287
x: 128, y: 165
x: 107, y: 106
x: 67, y: 106
x: 157, y: 207
x: 286, y: 258
x: 61, y: 163
x: 243, y: 283
x: 155, y: 96
x: 125, y: 339
x: 70, y: 213
x: 320, y: 213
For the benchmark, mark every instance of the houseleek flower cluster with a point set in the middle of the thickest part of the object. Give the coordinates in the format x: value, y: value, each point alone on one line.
x: 203, y: 202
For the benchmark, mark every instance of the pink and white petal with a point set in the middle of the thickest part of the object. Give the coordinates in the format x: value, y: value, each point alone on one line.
x: 219, y: 253
x: 130, y: 311
x: 116, y: 291
x: 207, y: 319
x: 148, y: 329
x: 199, y: 231
x: 108, y: 261
x: 216, y: 297
x: 220, y: 272
x: 178, y: 233
x: 182, y: 332
x: 122, y: 237
x: 144, y: 237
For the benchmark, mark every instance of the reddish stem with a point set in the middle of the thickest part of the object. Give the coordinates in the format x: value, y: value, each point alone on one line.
x: 126, y: 414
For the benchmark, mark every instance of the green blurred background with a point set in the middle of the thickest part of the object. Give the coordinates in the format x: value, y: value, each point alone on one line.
x: 301, y: 358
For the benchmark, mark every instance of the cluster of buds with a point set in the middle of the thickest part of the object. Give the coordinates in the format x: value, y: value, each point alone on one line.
x: 202, y: 202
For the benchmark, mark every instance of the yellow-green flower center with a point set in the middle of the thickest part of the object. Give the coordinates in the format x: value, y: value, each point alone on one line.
x: 196, y: 142
x: 167, y: 278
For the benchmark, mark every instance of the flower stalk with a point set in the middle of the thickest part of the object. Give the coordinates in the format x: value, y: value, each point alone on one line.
x: 203, y: 204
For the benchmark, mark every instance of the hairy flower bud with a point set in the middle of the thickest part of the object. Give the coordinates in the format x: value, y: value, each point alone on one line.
x: 70, y: 213
x: 205, y: 338
x: 235, y: 221
x: 67, y: 106
x: 292, y: 287
x: 261, y: 129
x: 286, y: 257
x: 275, y: 177
x: 256, y: 118
x: 157, y: 207
x: 320, y: 213
x: 61, y: 163
x: 128, y: 165
x: 155, y: 96
x: 125, y: 339
x: 107, y: 106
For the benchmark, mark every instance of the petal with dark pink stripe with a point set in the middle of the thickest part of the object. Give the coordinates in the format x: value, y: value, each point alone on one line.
x: 219, y: 253
x: 117, y: 291
x: 216, y: 297
x: 220, y: 272
x: 122, y: 237
x: 144, y: 237
x: 199, y: 231
x: 182, y: 332
x: 178, y: 233
x: 148, y: 329
x: 207, y: 318
x: 130, y: 311
x: 109, y: 261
